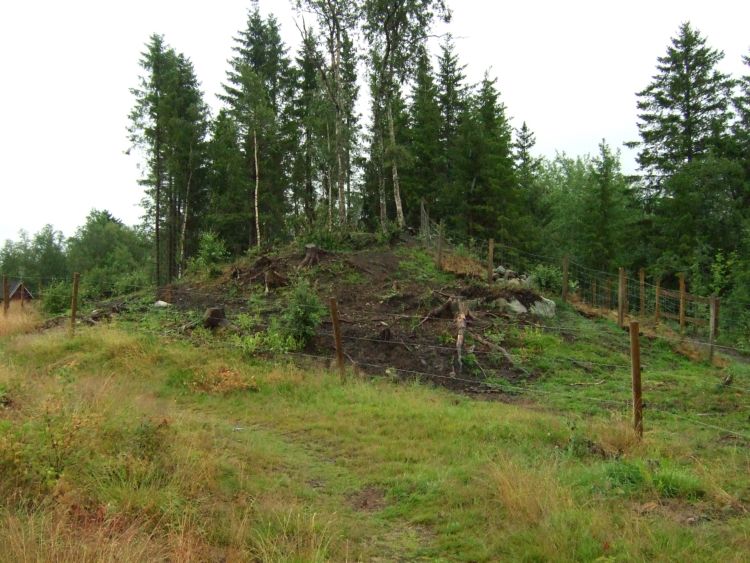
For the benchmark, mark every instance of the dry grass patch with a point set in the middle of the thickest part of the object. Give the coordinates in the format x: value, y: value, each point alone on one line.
x: 527, y: 495
x: 463, y: 266
x: 20, y: 320
x: 616, y: 437
x: 223, y: 380
x: 49, y: 535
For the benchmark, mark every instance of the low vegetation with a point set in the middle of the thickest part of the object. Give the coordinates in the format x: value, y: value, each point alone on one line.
x: 138, y: 441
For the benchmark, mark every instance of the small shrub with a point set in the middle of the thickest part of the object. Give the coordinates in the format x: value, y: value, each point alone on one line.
x: 303, y: 314
x: 547, y: 278
x: 56, y: 298
x: 211, y: 253
x: 390, y: 235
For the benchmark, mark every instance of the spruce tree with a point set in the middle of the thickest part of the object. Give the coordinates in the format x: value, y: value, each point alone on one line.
x: 425, y: 122
x: 168, y: 122
x: 229, y: 207
x: 485, y: 188
x: 741, y: 132
x: 684, y: 112
x: 452, y: 100
x: 256, y: 92
x: 532, y: 190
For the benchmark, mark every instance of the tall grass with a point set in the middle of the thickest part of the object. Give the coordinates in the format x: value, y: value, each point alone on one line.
x: 19, y: 319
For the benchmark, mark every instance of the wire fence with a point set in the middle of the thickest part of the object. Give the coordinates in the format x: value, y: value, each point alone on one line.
x: 597, y: 289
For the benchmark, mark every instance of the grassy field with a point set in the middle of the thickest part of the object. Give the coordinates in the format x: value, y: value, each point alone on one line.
x: 117, y: 445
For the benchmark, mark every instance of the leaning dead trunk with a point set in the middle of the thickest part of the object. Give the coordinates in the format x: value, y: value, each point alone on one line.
x: 394, y: 167
x: 257, y: 185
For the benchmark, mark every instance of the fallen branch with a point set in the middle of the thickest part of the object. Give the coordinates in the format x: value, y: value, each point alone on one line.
x: 435, y: 313
x: 503, y: 351
x: 584, y: 383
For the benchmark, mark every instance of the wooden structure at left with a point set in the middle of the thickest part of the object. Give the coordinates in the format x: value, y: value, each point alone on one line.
x: 18, y: 291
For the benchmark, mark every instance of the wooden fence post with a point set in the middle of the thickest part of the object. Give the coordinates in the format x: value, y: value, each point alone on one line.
x: 608, y: 291
x: 656, y: 304
x: 491, y: 261
x: 337, y: 338
x: 635, y: 359
x: 440, y: 246
x: 642, y: 276
x: 6, y: 296
x: 712, y: 327
x: 565, y: 278
x: 22, y: 287
x: 74, y: 304
x: 682, y: 303
x: 621, y: 298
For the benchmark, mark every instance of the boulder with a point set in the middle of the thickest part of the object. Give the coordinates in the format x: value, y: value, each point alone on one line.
x: 215, y: 317
x: 515, y: 306
x: 544, y: 308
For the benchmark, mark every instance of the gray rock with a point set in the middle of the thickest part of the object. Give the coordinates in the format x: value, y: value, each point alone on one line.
x: 515, y: 306
x: 161, y: 304
x: 544, y: 308
x: 501, y: 304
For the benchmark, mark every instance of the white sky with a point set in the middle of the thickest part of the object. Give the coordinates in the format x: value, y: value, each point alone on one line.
x: 569, y: 69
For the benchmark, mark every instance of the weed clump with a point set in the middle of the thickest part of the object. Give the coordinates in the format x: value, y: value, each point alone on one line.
x: 303, y: 314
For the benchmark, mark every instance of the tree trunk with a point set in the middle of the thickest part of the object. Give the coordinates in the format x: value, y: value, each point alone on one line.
x: 329, y: 177
x: 340, y: 171
x: 381, y: 176
x: 394, y: 167
x: 309, y: 188
x: 171, y: 218
x: 257, y: 185
x: 348, y: 180
x: 186, y: 208
x: 158, y: 163
x: 340, y: 179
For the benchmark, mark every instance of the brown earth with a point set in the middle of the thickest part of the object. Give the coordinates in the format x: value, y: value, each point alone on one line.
x: 383, y: 306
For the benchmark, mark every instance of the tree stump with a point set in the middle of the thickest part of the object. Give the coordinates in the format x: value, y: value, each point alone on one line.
x: 215, y: 317
x: 313, y: 255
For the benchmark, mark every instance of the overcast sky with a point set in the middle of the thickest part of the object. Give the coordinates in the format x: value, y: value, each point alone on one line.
x: 569, y: 69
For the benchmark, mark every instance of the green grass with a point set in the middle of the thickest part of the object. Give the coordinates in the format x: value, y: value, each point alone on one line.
x: 152, y: 448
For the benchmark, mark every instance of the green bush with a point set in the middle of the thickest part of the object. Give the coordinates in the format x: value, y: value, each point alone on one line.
x: 212, y: 252
x: 303, y: 314
x: 547, y: 278
x: 56, y: 298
